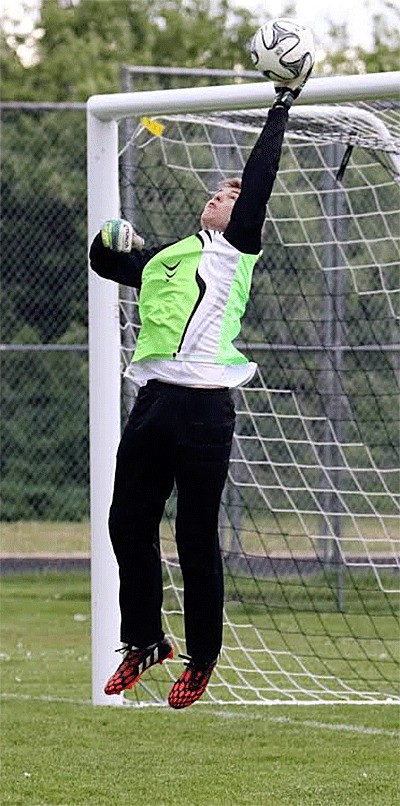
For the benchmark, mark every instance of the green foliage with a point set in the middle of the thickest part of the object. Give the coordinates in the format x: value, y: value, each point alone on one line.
x: 44, y: 222
x: 44, y: 464
x: 382, y: 57
x: 84, y: 44
x: 81, y: 46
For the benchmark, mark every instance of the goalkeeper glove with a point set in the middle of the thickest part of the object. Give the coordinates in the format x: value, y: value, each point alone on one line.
x: 119, y: 235
x: 288, y: 92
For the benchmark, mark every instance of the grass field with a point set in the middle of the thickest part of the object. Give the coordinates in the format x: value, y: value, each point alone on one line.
x: 281, y: 535
x: 58, y: 750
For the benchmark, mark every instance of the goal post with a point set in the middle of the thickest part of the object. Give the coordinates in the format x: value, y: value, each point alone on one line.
x: 322, y: 476
x: 240, y: 96
x: 104, y: 405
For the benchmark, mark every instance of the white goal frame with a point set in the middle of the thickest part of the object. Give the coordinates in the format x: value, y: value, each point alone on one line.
x: 103, y: 114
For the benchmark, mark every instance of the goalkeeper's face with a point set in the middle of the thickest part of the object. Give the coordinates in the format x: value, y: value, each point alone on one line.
x: 217, y: 212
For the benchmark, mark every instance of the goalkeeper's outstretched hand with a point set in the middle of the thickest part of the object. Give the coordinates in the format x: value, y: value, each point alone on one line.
x: 119, y: 235
x: 287, y: 92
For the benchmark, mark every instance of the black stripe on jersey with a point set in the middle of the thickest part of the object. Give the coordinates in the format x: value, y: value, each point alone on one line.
x: 201, y: 239
x: 202, y: 286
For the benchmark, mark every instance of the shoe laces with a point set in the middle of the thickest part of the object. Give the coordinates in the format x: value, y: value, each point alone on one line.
x: 125, y: 650
x: 197, y: 668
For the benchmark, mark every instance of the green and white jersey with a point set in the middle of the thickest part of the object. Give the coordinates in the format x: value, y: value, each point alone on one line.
x: 194, y: 293
x: 193, y: 296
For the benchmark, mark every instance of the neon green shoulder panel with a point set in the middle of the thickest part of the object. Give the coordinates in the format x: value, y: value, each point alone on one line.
x: 168, y: 296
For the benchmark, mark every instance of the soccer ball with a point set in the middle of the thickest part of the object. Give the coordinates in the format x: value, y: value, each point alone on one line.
x: 283, y: 50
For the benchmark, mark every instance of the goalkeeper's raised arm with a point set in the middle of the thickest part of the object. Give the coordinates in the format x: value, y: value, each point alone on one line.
x: 248, y: 214
x: 237, y: 208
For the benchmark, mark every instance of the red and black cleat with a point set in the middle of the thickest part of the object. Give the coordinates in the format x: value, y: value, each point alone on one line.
x: 191, y: 684
x: 135, y: 662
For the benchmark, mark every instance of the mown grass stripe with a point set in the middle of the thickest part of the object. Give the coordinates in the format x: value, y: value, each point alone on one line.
x: 228, y: 714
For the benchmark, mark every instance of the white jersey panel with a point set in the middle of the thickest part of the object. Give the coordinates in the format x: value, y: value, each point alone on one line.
x: 217, y: 268
x: 190, y: 373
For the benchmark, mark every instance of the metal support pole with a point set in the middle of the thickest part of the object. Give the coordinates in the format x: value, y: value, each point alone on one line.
x: 332, y: 369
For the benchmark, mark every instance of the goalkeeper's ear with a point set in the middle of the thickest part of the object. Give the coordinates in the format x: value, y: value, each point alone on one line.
x: 118, y: 234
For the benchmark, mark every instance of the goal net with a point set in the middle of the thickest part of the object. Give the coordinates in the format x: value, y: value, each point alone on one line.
x: 309, y: 523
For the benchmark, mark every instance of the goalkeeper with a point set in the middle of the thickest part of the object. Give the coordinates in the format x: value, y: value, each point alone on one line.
x: 193, y: 294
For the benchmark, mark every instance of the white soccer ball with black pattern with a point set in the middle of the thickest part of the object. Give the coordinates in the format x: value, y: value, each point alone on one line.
x: 283, y: 50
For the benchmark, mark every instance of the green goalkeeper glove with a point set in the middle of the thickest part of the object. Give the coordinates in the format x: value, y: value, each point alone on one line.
x: 119, y: 235
x: 288, y: 92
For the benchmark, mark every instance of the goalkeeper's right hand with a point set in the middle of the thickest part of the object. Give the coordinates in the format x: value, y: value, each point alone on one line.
x: 119, y: 235
x: 288, y: 92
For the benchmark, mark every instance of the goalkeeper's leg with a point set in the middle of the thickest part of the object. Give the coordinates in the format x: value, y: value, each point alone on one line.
x: 143, y: 482
x: 202, y: 462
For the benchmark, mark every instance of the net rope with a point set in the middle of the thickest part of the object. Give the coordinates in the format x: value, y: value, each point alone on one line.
x: 309, y: 522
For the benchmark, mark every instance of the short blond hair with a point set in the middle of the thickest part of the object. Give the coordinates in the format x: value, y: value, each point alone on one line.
x: 235, y: 183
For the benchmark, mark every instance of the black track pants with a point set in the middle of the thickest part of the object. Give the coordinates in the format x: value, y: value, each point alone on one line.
x: 182, y: 435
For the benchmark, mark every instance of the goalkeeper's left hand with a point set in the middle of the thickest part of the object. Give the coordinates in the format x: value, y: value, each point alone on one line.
x: 287, y: 92
x: 119, y: 235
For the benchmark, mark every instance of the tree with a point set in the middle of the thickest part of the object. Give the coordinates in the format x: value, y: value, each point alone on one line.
x: 44, y: 222
x: 84, y: 44
x: 80, y: 44
x: 384, y: 55
x: 44, y: 461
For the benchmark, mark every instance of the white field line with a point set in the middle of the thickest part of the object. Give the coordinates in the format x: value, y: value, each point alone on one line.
x: 310, y: 723
x: 239, y: 714
x: 43, y: 698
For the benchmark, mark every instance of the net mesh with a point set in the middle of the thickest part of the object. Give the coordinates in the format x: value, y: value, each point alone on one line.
x: 309, y: 521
